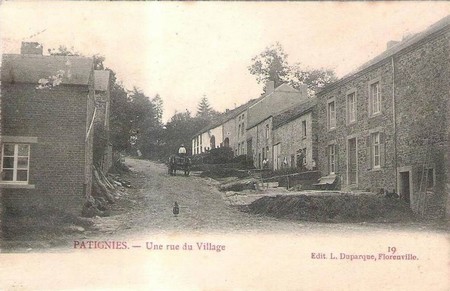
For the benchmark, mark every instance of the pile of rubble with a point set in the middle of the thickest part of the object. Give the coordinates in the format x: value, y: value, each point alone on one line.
x: 106, y: 189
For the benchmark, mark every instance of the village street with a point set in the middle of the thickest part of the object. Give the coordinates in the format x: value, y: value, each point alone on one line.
x: 146, y: 208
x: 250, y: 245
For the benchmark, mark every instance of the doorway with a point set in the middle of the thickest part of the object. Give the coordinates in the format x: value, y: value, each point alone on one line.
x: 404, y: 187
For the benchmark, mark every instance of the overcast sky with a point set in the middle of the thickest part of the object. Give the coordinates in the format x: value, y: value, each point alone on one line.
x: 186, y: 50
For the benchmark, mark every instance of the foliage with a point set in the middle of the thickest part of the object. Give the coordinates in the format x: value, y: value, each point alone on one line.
x: 204, y: 109
x: 179, y: 130
x: 314, y: 79
x: 245, y: 161
x: 221, y: 155
x: 272, y: 65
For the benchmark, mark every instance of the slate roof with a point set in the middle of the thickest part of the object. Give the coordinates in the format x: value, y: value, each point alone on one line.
x: 293, y: 113
x: 283, y: 88
x: 402, y: 45
x: 31, y: 68
x: 224, y: 117
x: 101, y: 80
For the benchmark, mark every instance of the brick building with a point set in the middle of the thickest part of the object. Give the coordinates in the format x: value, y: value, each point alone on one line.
x: 382, y: 126
x: 47, y: 131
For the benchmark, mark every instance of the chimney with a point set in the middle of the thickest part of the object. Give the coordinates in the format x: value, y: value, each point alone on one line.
x: 391, y: 43
x: 31, y: 48
x: 270, y: 87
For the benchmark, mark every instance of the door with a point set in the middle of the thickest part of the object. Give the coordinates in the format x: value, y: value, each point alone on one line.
x: 405, y: 191
x: 250, y: 148
x: 276, y: 158
x: 352, y: 169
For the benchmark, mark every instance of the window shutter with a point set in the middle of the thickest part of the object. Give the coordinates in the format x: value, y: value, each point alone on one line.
x: 369, y: 152
x: 382, y: 149
x: 327, y: 154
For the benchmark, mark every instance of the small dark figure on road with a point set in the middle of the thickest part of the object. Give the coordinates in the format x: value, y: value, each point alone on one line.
x: 176, y: 209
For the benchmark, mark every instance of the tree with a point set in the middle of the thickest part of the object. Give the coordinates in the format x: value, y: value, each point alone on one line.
x: 272, y: 65
x: 204, y: 110
x: 135, y: 119
x: 144, y: 123
x: 158, y: 106
x: 314, y: 79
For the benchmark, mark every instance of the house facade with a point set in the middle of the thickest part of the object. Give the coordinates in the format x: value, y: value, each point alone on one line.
x: 47, y: 131
x: 260, y: 127
x: 381, y: 127
x: 227, y: 131
x: 206, y: 139
x: 295, y: 137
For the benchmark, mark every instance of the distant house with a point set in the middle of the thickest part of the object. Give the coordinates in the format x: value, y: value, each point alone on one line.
x: 383, y: 126
x: 47, y: 105
x: 295, y: 137
x: 227, y: 130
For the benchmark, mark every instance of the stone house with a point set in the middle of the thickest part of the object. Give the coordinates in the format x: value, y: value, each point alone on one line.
x: 47, y: 130
x: 381, y: 127
x: 295, y: 137
x: 260, y: 114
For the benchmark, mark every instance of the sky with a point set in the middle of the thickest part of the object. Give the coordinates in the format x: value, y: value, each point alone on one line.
x: 184, y: 51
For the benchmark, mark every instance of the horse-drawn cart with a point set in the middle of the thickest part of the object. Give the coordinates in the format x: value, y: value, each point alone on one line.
x: 179, y: 163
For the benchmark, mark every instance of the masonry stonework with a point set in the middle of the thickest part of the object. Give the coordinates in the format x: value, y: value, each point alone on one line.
x: 414, y: 90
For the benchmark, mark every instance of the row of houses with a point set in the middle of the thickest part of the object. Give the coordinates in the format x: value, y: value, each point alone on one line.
x: 383, y: 126
x: 50, y: 106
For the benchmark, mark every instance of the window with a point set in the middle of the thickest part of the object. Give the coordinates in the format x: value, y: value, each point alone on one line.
x: 376, y: 156
x: 375, y: 98
x: 332, y: 158
x: 15, y: 163
x: 267, y: 131
x: 304, y: 157
x: 304, y: 128
x: 242, y: 129
x: 351, y: 107
x: 331, y: 115
x: 239, y: 130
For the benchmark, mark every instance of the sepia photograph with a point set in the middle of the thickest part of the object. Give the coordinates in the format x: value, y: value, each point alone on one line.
x: 224, y: 145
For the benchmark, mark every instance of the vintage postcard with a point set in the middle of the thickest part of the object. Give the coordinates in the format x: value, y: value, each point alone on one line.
x: 224, y: 145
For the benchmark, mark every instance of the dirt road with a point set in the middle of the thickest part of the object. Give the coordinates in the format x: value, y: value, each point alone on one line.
x: 259, y: 253
x: 147, y: 209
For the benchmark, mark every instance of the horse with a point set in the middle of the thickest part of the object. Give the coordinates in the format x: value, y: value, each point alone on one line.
x: 178, y: 163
